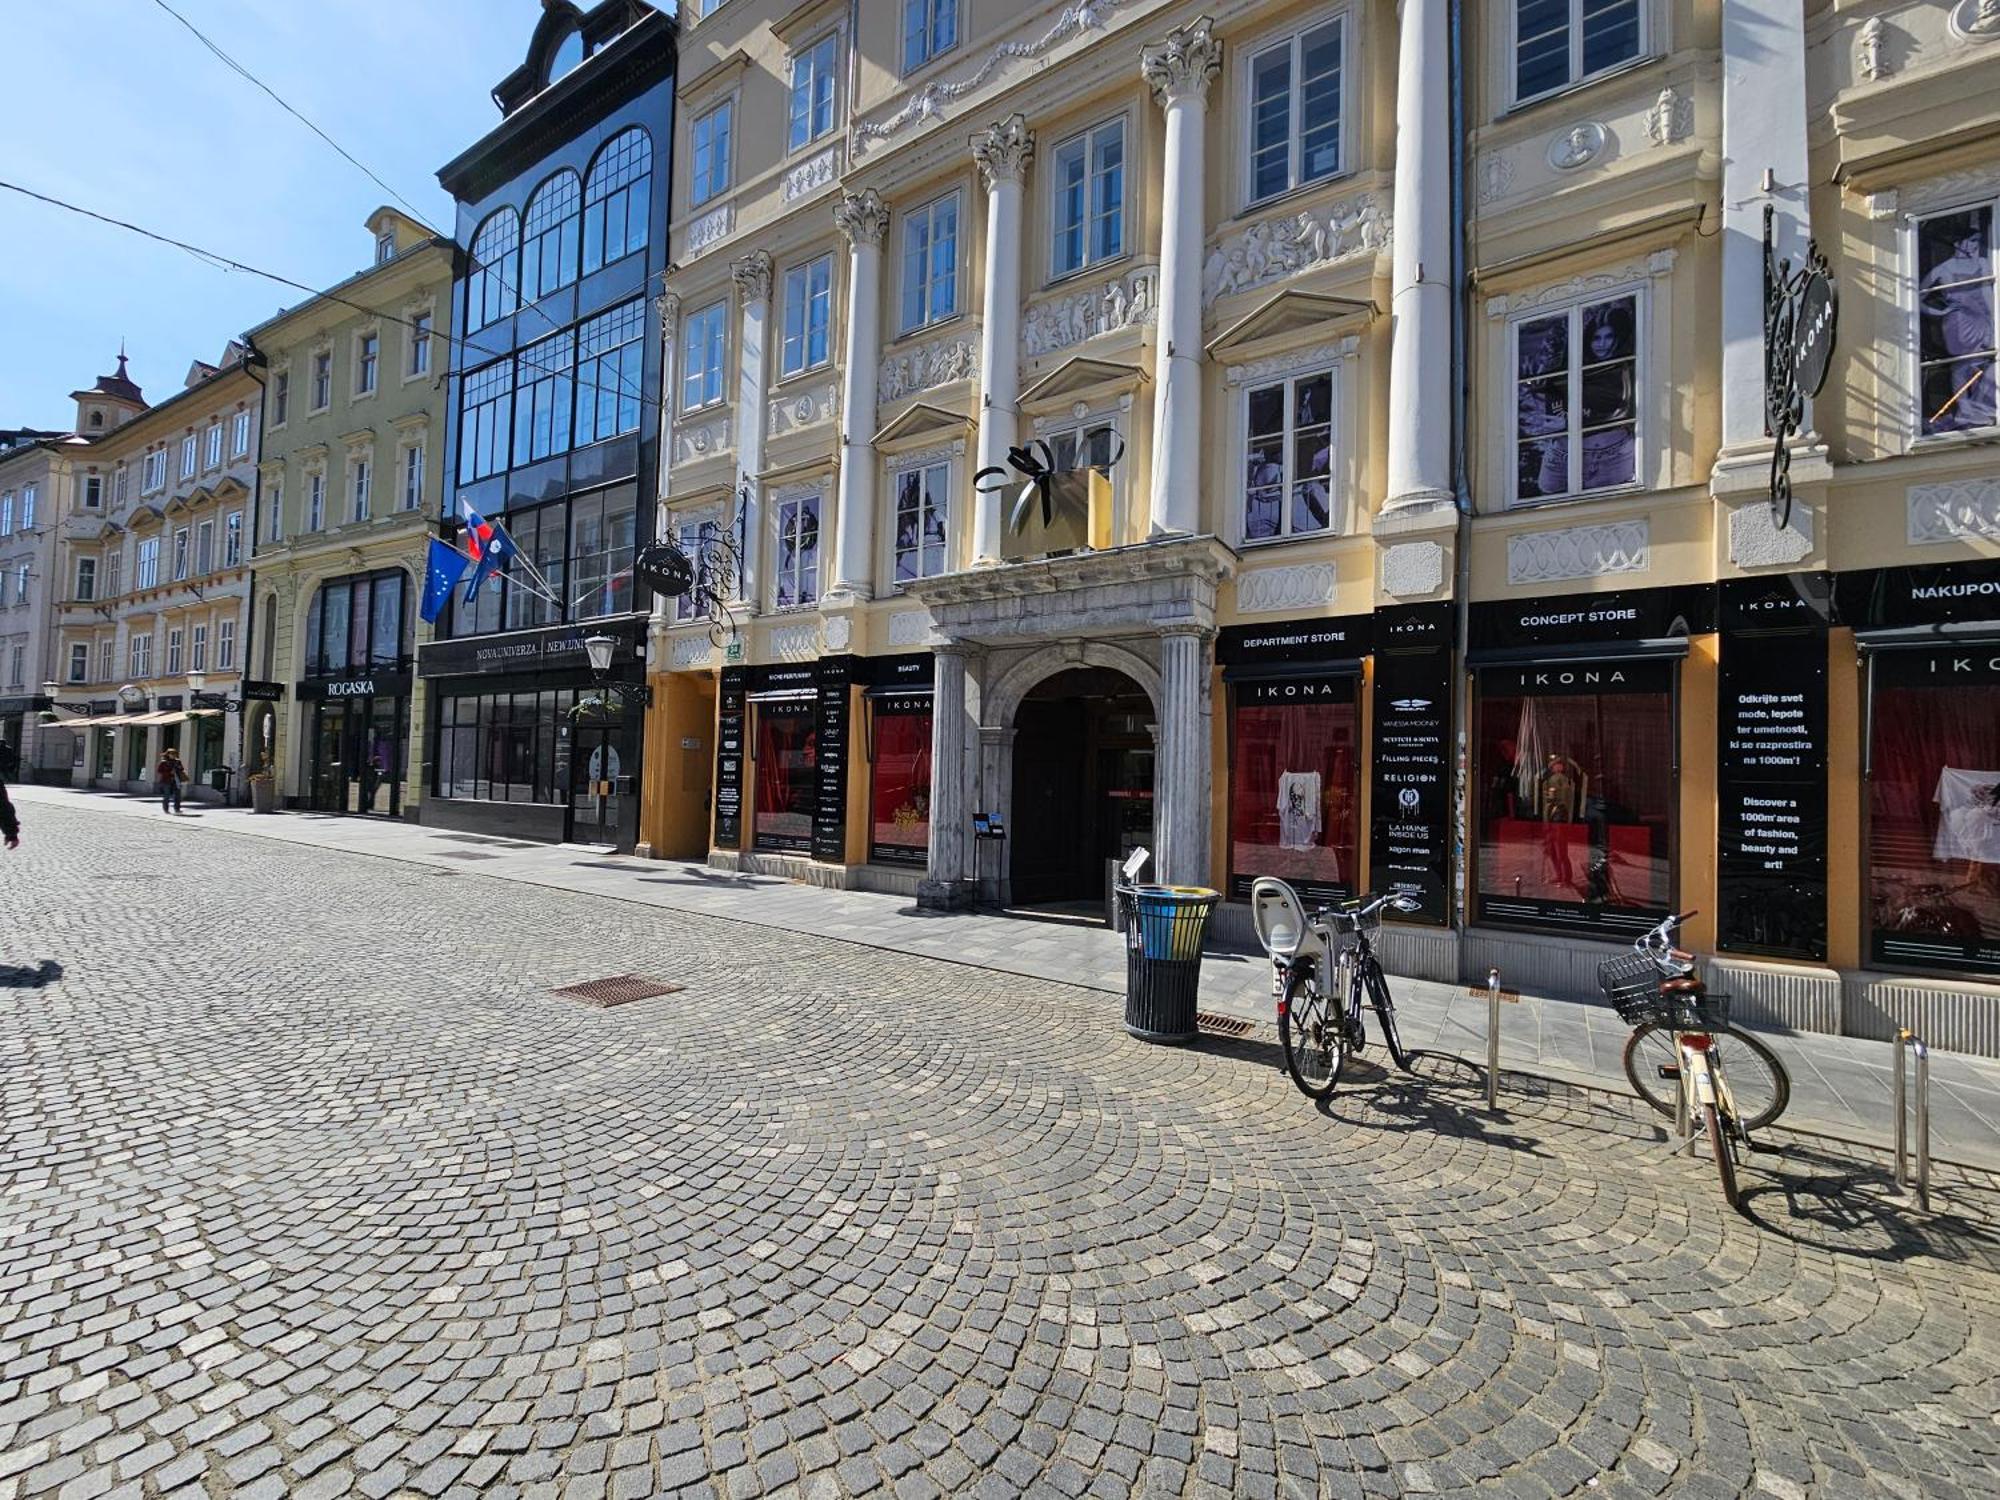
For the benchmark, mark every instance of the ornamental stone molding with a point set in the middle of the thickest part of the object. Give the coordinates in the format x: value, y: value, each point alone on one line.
x: 1961, y: 510
x: 711, y: 229
x: 943, y: 453
x: 812, y: 173
x: 1654, y: 266
x: 1261, y: 591
x: 934, y: 100
x: 1067, y: 320
x: 1671, y: 119
x: 1293, y: 361
x: 1579, y: 552
x: 909, y: 627
x: 1757, y: 541
x: 939, y: 362
x: 1412, y: 568
x: 1949, y: 189
x: 801, y: 409
x: 1578, y: 146
x: 1183, y: 66
x: 669, y: 305
x: 701, y: 439
x: 1496, y: 177
x: 863, y: 217
x: 1284, y: 246
x: 690, y: 651
x: 1870, y: 59
x: 752, y: 275
x: 1004, y: 150
x: 798, y: 642
x: 1976, y: 20
x: 839, y: 632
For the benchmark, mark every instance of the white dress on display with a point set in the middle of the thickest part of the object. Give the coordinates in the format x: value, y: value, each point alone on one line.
x: 1298, y: 809
x: 1968, y: 816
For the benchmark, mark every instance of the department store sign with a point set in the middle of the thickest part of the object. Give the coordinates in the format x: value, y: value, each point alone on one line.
x: 1336, y: 638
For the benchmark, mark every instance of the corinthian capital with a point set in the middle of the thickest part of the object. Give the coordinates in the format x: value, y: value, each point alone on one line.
x: 1002, y: 150
x: 753, y: 276
x: 669, y: 305
x: 1182, y: 66
x: 862, y: 217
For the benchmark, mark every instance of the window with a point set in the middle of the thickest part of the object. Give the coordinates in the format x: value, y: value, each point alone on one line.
x: 1288, y: 466
x: 181, y: 554
x: 1955, y: 313
x: 490, y: 287
x: 281, y: 397
x: 175, y: 642
x: 121, y: 486
x: 367, y: 359
x: 232, y: 539
x: 93, y: 492
x: 239, y: 434
x: 79, y: 661
x: 798, y: 553
x: 413, y: 478
x: 1089, y: 214
x: 787, y: 772
x: 812, y: 91
x: 7, y: 514
x: 701, y: 381
x: 385, y: 247
x: 549, y: 237
x: 688, y: 537
x: 504, y: 747
x: 214, y: 454
x: 114, y: 568
x: 190, y: 455
x: 1577, y: 795
x: 225, y: 645
x: 485, y: 421
x: 544, y: 395
x: 609, y: 350
x: 315, y: 501
x: 808, y: 315
x: 1576, y: 399
x: 1295, y: 99
x: 274, y: 528
x: 146, y: 574
x: 17, y: 663
x: 1558, y: 42
x: 363, y: 482
x: 584, y: 546
x: 204, y: 548
x: 930, y: 27
x: 923, y: 501
x: 711, y: 152
x: 930, y: 263
x: 156, y: 471
x: 617, y: 199
x: 198, y: 649
x: 142, y: 654
x: 107, y: 660
x: 28, y: 507
x: 322, y: 380
x: 420, y: 344
x: 355, y: 623
x: 21, y: 576
x: 1295, y: 782
x: 603, y: 530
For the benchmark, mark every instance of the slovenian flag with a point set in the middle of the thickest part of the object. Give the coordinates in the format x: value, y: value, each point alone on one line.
x: 478, y: 530
x: 444, y: 568
x: 493, y: 549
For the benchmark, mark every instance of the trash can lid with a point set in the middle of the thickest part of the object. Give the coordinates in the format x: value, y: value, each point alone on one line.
x: 1177, y: 892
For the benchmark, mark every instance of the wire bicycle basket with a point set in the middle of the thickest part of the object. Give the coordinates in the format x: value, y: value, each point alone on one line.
x: 1631, y: 982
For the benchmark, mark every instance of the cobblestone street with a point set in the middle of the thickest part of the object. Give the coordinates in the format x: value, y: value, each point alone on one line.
x: 312, y: 1186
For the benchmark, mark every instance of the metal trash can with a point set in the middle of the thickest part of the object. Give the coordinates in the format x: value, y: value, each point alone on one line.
x: 218, y: 779
x: 1164, y: 926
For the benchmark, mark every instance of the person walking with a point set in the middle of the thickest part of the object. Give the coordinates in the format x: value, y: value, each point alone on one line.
x: 10, y: 822
x: 168, y: 776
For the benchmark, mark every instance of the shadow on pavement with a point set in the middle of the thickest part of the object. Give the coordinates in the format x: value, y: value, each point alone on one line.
x: 1809, y: 1196
x: 17, y: 977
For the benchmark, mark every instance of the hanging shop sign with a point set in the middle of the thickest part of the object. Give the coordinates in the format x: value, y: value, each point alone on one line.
x: 1801, y: 315
x: 263, y: 692
x: 829, y: 826
x: 1410, y: 793
x: 734, y: 693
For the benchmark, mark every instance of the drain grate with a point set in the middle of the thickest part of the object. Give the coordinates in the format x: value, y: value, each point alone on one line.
x: 620, y: 989
x: 1223, y: 1025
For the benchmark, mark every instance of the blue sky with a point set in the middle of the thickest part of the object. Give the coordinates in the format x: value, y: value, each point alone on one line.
x: 113, y: 105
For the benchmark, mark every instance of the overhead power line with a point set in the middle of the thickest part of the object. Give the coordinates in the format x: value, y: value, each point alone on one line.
x: 286, y: 106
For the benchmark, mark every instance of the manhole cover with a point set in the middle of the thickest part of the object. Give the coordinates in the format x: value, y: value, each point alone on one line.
x: 1223, y: 1025
x: 620, y: 989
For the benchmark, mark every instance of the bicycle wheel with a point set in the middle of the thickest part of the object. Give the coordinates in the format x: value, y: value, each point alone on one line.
x: 1385, y: 1011
x: 1725, y: 1154
x: 1653, y: 1063
x: 1313, y: 1039
x: 1758, y: 1082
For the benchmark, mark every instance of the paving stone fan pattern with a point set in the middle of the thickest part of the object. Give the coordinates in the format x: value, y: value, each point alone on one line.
x: 310, y: 1186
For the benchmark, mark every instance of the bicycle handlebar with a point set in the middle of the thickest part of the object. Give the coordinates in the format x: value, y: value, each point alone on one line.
x: 1401, y: 900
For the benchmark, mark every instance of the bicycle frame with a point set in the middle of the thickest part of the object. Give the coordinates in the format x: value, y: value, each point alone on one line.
x: 1702, y: 1083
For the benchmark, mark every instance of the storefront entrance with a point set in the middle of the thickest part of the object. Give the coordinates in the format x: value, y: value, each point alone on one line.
x: 357, y: 755
x: 602, y: 793
x: 1082, y: 784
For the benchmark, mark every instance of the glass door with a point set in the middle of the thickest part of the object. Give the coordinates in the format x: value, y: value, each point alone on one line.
x: 598, y: 785
x: 378, y: 736
x: 331, y: 757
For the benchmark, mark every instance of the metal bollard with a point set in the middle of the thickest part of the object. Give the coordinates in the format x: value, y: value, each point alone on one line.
x: 1900, y: 1094
x: 1493, y: 1041
x: 1923, y: 1127
x: 1906, y: 1041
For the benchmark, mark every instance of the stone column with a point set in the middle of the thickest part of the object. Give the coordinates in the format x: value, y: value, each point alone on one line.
x: 947, y: 881
x: 1420, y: 394
x: 753, y: 291
x: 863, y: 220
x: 1002, y: 153
x: 1182, y: 774
x: 1179, y: 71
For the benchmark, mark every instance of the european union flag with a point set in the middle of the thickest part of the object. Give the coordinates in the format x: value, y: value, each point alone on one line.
x: 441, y: 572
x: 498, y: 551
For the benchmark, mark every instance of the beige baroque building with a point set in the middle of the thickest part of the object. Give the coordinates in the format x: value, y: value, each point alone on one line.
x: 351, y: 471
x: 1434, y: 544
x: 154, y: 556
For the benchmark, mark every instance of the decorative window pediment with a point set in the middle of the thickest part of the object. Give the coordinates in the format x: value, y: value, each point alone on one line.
x: 922, y: 423
x: 1290, y: 315
x: 1081, y: 379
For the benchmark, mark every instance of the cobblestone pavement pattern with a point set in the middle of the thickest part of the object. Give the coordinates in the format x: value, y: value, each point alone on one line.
x: 310, y: 1186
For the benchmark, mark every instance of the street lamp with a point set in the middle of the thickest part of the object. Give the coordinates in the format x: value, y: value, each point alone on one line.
x: 598, y: 649
x: 197, y: 681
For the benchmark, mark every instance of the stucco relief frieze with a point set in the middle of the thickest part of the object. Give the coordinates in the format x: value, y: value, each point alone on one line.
x: 909, y: 627
x: 1954, y: 512
x: 1671, y: 119
x: 1870, y: 57
x: 1066, y: 320
x: 1976, y: 20
x: 1756, y: 540
x: 695, y: 440
x: 691, y: 651
x: 1578, y: 146
x: 802, y: 409
x: 1496, y: 177
x: 954, y: 357
x: 1277, y: 366
x: 813, y: 172
x: 934, y: 100
x: 711, y: 229
x: 1410, y: 569
x: 1290, y: 243
x: 1659, y: 263
x: 1580, y: 552
x: 1268, y: 590
x: 798, y: 642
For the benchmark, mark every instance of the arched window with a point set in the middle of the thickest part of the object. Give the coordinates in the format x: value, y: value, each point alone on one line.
x: 491, y: 290
x: 616, y: 201
x: 548, y: 242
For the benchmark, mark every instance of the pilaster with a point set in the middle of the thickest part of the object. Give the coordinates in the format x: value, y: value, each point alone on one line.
x: 863, y: 219
x: 752, y: 274
x: 1003, y: 153
x: 1183, y: 772
x: 947, y: 884
x: 1420, y: 394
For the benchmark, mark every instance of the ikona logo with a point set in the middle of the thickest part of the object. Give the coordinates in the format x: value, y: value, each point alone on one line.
x: 1410, y: 705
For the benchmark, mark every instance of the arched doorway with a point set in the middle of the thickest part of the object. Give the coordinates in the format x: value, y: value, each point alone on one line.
x: 1082, y: 785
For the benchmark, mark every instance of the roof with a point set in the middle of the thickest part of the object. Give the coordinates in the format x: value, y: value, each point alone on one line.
x: 118, y: 386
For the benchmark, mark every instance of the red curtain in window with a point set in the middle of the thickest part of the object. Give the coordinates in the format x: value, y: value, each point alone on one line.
x: 1293, y: 787
x: 900, y: 800
x: 787, y: 775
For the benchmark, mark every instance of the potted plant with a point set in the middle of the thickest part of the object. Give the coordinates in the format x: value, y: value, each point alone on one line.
x: 263, y: 788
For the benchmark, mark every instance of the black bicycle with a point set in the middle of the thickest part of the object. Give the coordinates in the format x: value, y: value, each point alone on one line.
x: 1322, y: 981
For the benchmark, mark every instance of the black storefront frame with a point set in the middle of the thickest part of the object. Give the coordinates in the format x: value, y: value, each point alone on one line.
x: 352, y: 689
x: 893, y: 688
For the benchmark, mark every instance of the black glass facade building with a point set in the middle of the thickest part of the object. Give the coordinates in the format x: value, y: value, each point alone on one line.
x: 553, y: 431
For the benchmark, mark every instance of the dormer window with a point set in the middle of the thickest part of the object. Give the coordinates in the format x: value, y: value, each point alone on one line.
x: 385, y: 247
x: 97, y: 419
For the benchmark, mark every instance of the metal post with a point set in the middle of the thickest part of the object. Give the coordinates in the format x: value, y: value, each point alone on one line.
x: 1903, y: 1038
x: 1923, y: 1127
x: 1493, y: 1040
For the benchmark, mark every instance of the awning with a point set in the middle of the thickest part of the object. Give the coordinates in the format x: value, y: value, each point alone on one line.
x: 205, y: 713
x: 1531, y: 656
x: 166, y: 716
x: 1957, y: 633
x: 103, y: 721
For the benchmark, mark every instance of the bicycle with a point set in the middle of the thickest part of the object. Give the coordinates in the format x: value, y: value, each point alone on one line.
x: 1312, y: 973
x: 1679, y: 1037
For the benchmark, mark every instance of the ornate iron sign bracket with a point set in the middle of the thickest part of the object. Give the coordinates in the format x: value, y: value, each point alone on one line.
x: 1801, y: 314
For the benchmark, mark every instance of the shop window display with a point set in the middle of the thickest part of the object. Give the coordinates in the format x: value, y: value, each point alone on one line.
x: 1293, y: 782
x: 899, y: 826
x: 1576, y: 796
x: 787, y: 776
